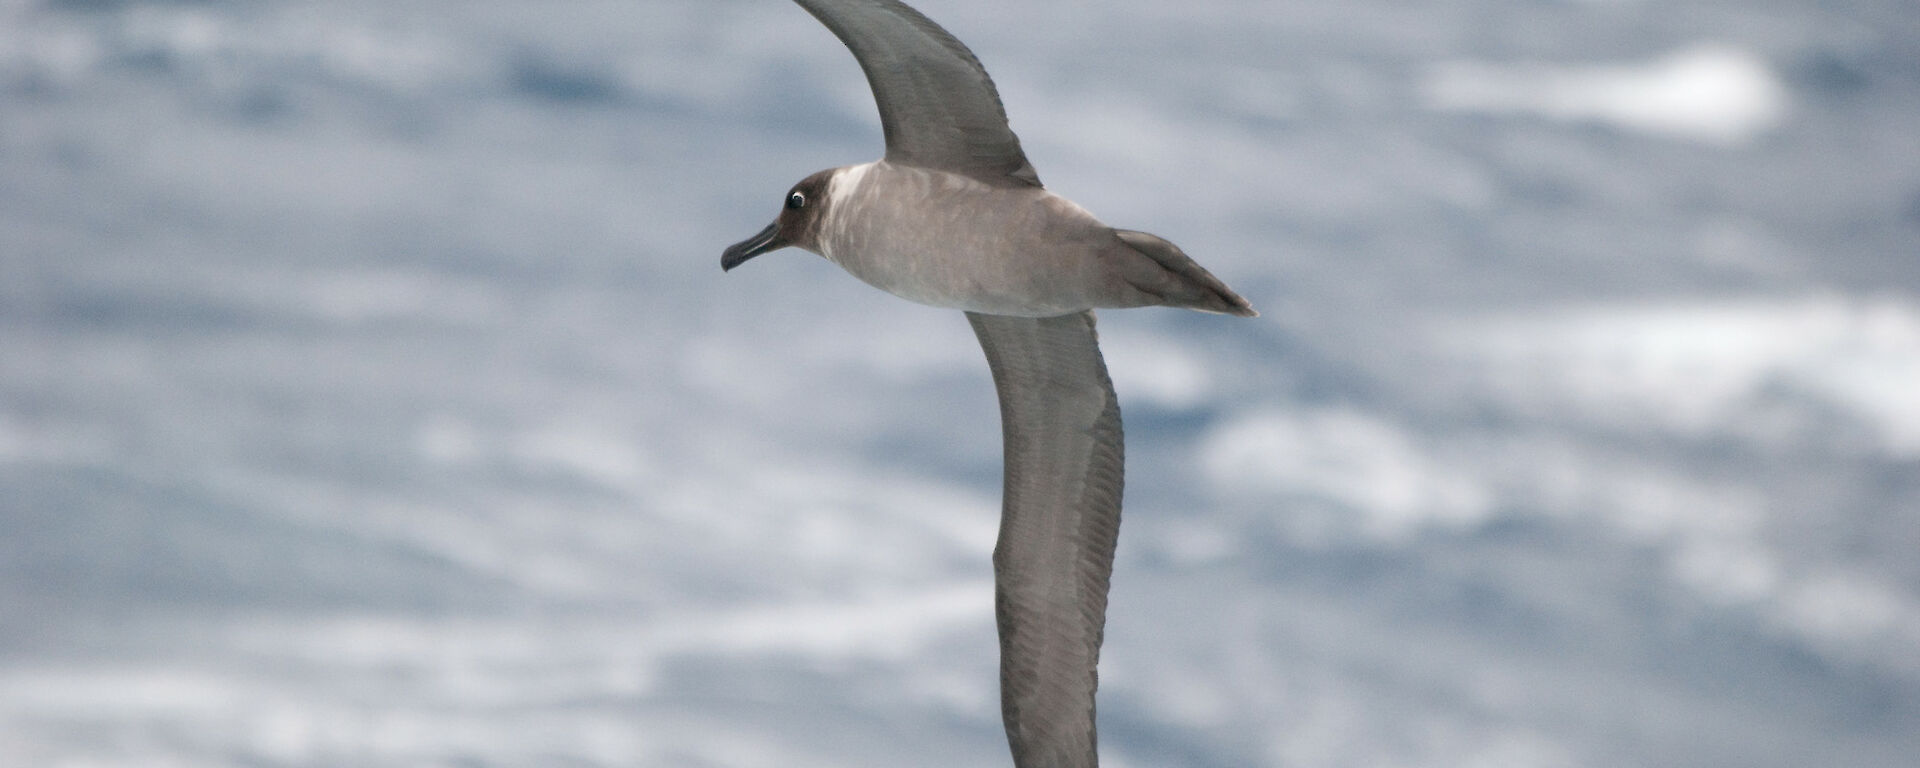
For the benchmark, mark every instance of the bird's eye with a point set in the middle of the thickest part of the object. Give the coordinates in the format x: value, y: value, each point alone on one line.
x: 796, y: 201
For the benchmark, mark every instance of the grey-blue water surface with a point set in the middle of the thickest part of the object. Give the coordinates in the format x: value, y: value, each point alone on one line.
x: 370, y: 394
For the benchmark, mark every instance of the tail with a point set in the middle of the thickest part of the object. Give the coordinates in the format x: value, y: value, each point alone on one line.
x: 1180, y: 282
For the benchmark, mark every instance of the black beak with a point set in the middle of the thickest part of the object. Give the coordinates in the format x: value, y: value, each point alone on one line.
x: 737, y: 254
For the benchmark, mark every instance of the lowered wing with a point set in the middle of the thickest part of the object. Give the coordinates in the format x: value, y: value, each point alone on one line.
x: 1058, y: 526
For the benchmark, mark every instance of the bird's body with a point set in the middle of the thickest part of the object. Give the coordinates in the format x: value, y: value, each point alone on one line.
x: 947, y: 240
x: 955, y: 216
x: 895, y: 228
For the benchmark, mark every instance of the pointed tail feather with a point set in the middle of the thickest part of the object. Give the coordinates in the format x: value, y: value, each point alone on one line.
x: 1180, y: 281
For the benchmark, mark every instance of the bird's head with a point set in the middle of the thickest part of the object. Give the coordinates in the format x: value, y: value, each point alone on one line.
x: 798, y: 224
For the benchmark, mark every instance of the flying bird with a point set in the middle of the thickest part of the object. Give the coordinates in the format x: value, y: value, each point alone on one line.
x: 953, y: 215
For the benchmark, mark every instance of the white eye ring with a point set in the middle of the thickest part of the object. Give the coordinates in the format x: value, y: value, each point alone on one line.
x: 796, y: 201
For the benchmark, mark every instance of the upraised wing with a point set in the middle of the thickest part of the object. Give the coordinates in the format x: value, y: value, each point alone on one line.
x: 1058, y: 526
x: 938, y: 108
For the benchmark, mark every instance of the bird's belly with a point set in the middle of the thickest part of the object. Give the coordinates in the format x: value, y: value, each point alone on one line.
x: 952, y: 283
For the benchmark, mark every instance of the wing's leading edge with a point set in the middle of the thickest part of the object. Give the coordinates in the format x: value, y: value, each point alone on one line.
x: 1059, y: 525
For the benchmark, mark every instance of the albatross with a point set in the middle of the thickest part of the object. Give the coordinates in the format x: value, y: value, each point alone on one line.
x: 953, y: 215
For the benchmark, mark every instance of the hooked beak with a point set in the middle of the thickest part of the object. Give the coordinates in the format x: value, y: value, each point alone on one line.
x: 768, y: 240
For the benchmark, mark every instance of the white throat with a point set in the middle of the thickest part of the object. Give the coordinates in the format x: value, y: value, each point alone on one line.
x: 844, y: 181
x: 841, y: 189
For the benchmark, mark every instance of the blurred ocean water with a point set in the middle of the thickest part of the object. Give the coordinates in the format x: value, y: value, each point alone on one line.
x: 370, y: 394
